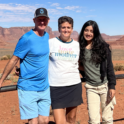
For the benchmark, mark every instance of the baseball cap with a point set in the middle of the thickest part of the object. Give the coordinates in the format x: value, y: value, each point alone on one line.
x: 41, y: 12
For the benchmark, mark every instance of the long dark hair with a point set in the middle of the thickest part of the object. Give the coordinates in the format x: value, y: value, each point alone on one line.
x: 98, y: 47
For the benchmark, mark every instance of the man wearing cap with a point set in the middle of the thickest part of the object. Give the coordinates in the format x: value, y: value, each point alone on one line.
x: 33, y: 87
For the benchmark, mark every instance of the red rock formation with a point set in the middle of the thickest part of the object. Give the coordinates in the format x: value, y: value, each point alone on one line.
x: 121, y: 39
x: 111, y: 38
x: 74, y: 35
x: 14, y: 33
x: 118, y: 44
x: 49, y: 30
x: 56, y: 33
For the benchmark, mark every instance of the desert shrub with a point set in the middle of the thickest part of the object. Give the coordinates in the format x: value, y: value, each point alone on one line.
x: 14, y: 80
x: 6, y: 57
x: 7, y: 78
x: 9, y: 56
x: 117, y: 54
x: 5, y: 52
x: 119, y: 67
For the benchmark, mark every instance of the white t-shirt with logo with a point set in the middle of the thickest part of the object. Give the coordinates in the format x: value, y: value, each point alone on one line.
x: 63, y: 63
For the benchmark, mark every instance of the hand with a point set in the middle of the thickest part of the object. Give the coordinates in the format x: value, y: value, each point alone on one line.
x: 17, y: 71
x: 111, y: 94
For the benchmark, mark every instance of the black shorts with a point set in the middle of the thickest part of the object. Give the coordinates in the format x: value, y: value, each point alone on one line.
x: 66, y: 96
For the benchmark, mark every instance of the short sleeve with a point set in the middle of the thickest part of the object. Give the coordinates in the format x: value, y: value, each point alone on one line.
x: 22, y: 47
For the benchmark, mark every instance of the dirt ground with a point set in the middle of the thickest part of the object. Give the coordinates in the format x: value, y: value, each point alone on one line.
x: 9, y: 108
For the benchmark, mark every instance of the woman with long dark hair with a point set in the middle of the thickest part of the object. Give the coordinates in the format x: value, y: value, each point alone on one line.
x: 95, y: 57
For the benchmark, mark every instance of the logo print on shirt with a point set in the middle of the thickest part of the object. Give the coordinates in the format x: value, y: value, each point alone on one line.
x: 41, y: 11
x: 65, y: 54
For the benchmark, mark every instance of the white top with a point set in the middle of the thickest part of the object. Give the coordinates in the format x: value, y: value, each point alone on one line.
x: 63, y: 63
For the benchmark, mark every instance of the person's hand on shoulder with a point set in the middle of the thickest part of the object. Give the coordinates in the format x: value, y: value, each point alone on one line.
x: 17, y: 71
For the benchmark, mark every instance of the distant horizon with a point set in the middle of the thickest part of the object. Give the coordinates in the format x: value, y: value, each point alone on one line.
x: 57, y: 30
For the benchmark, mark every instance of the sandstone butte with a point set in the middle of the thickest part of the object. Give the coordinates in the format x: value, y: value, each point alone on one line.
x: 12, y: 35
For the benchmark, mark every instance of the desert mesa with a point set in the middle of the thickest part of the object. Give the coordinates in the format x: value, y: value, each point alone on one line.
x: 12, y: 35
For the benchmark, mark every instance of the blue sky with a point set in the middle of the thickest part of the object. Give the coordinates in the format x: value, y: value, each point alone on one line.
x: 109, y: 14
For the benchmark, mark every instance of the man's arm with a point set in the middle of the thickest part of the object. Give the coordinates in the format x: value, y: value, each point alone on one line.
x: 10, y: 65
x: 17, y: 71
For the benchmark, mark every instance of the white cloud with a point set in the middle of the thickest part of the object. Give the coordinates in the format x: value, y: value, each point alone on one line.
x: 24, y: 13
x: 54, y: 12
x: 59, y: 8
x: 55, y: 4
x: 14, y: 18
x: 16, y: 12
x: 72, y: 7
x: 17, y: 7
x: 1, y: 13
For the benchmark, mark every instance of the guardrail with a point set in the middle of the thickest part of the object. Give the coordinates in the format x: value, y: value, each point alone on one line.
x: 8, y: 88
x: 14, y: 87
x: 119, y: 76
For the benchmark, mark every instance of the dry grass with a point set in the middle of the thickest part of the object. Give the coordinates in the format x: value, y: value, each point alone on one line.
x: 6, y: 57
x: 119, y: 67
x: 4, y: 52
x: 117, y: 54
x: 8, y: 77
x: 12, y: 78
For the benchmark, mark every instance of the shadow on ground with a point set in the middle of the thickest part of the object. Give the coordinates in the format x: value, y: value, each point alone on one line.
x: 113, y: 120
x: 51, y: 122
x: 119, y: 119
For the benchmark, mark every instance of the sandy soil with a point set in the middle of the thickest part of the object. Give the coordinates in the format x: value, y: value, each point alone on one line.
x: 117, y: 47
x: 118, y: 62
x: 9, y: 108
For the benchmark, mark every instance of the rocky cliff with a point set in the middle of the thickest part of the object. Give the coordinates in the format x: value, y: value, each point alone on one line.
x: 13, y: 34
x: 111, y: 38
x: 118, y: 42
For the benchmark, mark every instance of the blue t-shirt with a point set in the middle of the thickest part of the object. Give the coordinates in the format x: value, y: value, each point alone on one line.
x: 33, y: 52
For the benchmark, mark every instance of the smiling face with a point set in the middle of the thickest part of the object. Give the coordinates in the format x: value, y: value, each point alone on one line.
x: 41, y: 22
x: 65, y: 30
x: 88, y: 33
